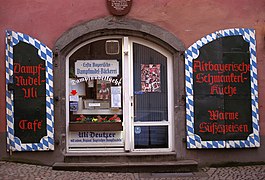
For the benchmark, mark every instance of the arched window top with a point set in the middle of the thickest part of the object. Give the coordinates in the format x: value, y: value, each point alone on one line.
x: 118, y: 26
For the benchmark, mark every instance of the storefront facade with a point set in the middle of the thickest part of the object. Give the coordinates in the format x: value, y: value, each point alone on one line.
x: 134, y: 84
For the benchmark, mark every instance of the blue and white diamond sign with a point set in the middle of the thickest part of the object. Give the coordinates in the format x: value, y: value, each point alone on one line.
x: 222, y: 91
x: 29, y: 94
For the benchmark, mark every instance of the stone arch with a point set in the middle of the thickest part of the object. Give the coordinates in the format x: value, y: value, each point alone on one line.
x: 118, y: 26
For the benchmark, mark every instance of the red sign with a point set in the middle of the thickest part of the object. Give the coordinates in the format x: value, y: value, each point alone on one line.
x: 73, y: 92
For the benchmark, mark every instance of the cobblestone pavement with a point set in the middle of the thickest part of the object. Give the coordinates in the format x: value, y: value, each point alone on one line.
x: 18, y: 171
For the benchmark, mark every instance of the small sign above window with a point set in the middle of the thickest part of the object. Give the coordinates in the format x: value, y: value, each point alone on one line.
x: 119, y: 7
x: 96, y: 68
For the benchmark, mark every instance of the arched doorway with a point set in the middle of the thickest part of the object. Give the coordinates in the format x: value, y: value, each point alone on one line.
x: 117, y: 58
x: 119, y: 81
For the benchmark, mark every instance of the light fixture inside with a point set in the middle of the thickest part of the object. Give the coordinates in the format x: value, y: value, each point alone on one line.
x: 112, y: 47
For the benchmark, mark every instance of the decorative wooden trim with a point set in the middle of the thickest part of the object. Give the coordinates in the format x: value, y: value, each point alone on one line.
x: 91, y: 126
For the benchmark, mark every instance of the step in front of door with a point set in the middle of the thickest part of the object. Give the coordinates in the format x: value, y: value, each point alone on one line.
x: 163, y: 166
x: 118, y: 157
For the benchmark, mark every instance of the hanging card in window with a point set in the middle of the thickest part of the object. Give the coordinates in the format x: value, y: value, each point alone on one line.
x: 116, y: 96
x: 150, y: 78
x: 103, y: 90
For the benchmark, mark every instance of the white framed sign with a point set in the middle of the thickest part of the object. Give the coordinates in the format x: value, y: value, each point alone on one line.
x: 95, y: 68
x: 95, y: 139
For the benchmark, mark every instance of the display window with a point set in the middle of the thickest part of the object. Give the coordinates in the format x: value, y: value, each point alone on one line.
x: 95, y: 85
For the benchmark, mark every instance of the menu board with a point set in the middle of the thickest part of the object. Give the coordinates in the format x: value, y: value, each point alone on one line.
x: 29, y: 94
x: 222, y: 90
x: 222, y: 95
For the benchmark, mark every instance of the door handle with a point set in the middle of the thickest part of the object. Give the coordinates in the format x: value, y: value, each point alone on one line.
x: 135, y: 99
x: 135, y: 104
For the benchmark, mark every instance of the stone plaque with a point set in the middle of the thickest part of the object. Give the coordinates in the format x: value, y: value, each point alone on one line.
x: 119, y: 7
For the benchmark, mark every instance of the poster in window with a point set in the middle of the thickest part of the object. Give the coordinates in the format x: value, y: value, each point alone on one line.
x: 103, y: 89
x: 74, y: 106
x: 116, y: 96
x: 80, y: 87
x: 150, y: 78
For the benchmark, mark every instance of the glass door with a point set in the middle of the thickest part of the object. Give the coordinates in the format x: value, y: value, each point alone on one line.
x: 152, y: 96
